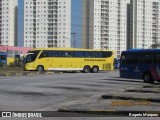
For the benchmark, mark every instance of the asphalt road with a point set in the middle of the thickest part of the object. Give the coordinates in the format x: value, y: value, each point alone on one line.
x: 58, y: 91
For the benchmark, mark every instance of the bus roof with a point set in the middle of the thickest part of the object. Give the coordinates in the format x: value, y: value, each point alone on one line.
x: 70, y: 49
x: 141, y: 50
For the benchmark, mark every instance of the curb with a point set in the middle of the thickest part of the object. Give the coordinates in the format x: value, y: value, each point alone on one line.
x: 130, y: 98
x: 26, y: 73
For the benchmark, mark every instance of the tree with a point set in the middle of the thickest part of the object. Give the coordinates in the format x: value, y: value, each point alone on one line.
x: 155, y: 45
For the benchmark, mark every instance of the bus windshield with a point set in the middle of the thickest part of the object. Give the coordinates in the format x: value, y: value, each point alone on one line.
x: 31, y: 56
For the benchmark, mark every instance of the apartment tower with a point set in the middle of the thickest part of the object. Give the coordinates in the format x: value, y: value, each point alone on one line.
x: 144, y: 23
x: 8, y: 22
x: 104, y: 24
x: 47, y: 23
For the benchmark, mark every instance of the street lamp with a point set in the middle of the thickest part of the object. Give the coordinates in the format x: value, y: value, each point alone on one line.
x: 74, y: 34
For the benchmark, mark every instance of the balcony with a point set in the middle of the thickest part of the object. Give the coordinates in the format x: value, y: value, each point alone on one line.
x: 34, y: 33
x: 50, y: 37
x: 52, y: 7
x: 34, y: 24
x: 104, y: 28
x: 34, y: 37
x: 34, y: 12
x: 104, y: 31
x: 104, y: 19
x: 53, y: 3
x: 105, y: 2
x: 105, y: 11
x: 104, y: 35
x: 34, y: 41
x: 105, y: 6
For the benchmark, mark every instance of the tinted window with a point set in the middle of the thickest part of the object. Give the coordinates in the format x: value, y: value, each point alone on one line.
x: 56, y: 54
x: 88, y: 54
x: 156, y: 58
x: 99, y: 54
x: 132, y: 59
x: 106, y: 54
x: 45, y: 54
x: 94, y: 54
x: 79, y: 54
x: 68, y: 54
x: 145, y: 58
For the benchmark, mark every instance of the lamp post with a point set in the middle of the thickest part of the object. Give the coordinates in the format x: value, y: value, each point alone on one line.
x: 74, y: 34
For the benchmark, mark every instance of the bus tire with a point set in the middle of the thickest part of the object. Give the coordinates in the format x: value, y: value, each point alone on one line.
x: 40, y: 68
x: 147, y: 77
x: 95, y: 69
x: 86, y: 69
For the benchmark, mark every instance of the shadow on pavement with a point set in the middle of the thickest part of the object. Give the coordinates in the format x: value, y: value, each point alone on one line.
x: 124, y: 80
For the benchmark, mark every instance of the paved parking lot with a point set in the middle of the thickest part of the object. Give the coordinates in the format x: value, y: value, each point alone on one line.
x: 103, y: 91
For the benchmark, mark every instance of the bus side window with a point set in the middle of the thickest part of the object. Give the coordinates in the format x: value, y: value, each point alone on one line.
x: 79, y: 54
x: 68, y: 54
x: 156, y: 58
x: 71, y: 54
x: 56, y: 54
x: 145, y: 58
x: 98, y: 54
x: 106, y: 54
x: 87, y: 54
x: 45, y: 54
x: 131, y: 59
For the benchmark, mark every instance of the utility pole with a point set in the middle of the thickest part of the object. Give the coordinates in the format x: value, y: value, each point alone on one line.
x: 74, y: 34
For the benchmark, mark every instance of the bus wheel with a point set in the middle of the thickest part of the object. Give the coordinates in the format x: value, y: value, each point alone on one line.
x: 40, y: 68
x: 86, y: 69
x: 95, y: 69
x: 148, y: 78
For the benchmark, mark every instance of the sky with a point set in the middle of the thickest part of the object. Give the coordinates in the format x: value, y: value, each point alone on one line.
x: 76, y: 21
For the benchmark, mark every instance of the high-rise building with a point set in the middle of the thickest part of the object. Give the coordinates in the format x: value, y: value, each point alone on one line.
x: 104, y: 24
x: 144, y: 23
x: 8, y: 22
x: 47, y: 23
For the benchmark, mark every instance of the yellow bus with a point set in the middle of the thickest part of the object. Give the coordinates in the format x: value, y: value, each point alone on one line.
x: 71, y: 59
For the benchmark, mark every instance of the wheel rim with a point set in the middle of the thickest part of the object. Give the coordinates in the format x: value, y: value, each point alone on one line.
x: 147, y: 77
x: 95, y: 69
x: 86, y: 70
x: 40, y: 69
